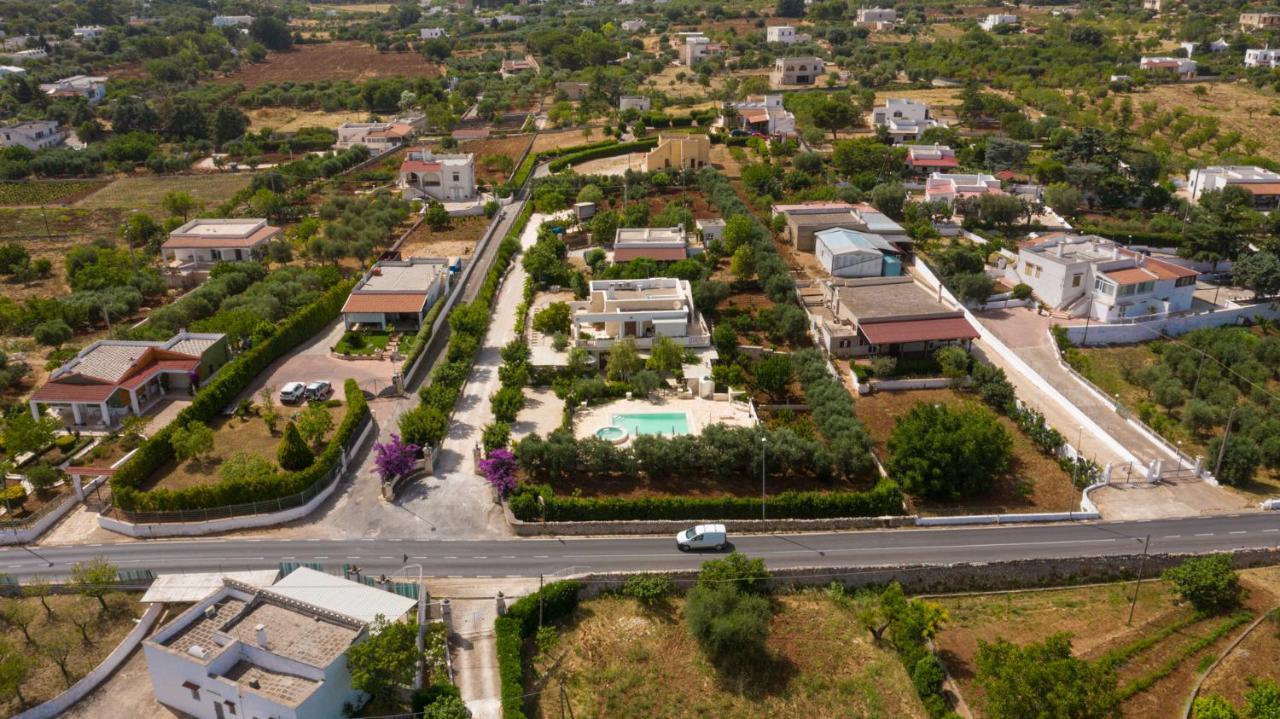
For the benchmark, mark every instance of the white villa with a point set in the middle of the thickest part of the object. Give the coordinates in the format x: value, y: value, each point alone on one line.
x: 202, y: 243
x: 993, y: 21
x: 877, y: 18
x: 634, y: 102
x: 232, y: 20
x: 378, y: 137
x: 905, y: 119
x: 425, y: 175
x: 396, y: 293
x: 797, y: 70
x: 764, y: 114
x: 1262, y: 183
x: 93, y: 89
x: 1266, y: 57
x: 951, y: 187
x: 1180, y: 66
x: 35, y: 136
x: 641, y: 310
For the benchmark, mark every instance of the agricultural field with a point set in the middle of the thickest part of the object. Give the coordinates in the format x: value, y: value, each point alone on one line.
x: 58, y: 192
x: 292, y: 119
x: 339, y: 60
x: 555, y: 139
x: 621, y: 661
x: 457, y: 240
x: 373, y: 8
x: 1033, y: 483
x: 144, y: 192
x: 1236, y: 106
x: 57, y: 638
x: 496, y: 157
x: 66, y: 228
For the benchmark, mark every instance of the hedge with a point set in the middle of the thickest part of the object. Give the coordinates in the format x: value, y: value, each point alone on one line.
x: 884, y: 499
x: 219, y: 393
x: 532, y: 159
x: 518, y: 625
x: 613, y: 150
x: 421, y: 339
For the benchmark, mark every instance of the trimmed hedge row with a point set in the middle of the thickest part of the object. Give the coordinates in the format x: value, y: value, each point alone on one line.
x: 619, y: 148
x: 532, y: 159
x: 276, y: 486
x: 219, y: 393
x: 882, y: 500
x: 518, y: 625
x: 424, y: 335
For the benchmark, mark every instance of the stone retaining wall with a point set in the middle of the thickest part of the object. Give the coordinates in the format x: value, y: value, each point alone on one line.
x: 671, y: 526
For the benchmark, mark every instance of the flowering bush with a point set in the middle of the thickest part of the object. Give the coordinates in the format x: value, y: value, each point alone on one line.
x: 499, y: 467
x: 395, y: 458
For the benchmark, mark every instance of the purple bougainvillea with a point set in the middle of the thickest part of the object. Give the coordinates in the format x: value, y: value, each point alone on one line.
x: 499, y: 467
x: 395, y: 459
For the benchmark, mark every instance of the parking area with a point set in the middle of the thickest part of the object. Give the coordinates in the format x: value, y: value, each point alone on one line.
x: 312, y: 361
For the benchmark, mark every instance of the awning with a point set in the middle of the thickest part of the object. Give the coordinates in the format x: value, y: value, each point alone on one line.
x: 385, y: 302
x: 1261, y: 188
x: 658, y: 254
x: 928, y: 330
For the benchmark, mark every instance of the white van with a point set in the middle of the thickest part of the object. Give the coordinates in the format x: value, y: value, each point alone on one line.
x: 703, y: 536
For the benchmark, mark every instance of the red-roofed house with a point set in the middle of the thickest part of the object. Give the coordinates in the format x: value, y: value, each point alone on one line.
x: 930, y: 158
x: 947, y: 187
x: 893, y: 316
x: 111, y: 379
x: 397, y: 293
x: 425, y: 175
x: 202, y: 243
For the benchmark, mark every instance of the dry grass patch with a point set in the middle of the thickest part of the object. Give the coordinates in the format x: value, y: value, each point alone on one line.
x: 1238, y: 106
x: 457, y: 240
x: 557, y: 139
x: 292, y: 119
x: 66, y: 228
x: 144, y: 192
x: 339, y: 60
x: 105, y: 630
x: 621, y: 661
x: 1033, y: 483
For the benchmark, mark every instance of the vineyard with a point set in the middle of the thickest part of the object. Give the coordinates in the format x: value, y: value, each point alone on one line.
x: 30, y: 192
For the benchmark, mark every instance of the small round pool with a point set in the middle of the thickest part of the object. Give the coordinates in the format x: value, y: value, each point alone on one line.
x: 612, y: 434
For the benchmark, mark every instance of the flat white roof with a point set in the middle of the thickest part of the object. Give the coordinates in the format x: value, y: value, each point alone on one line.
x: 411, y: 276
x: 220, y: 228
x: 343, y: 596
x: 191, y: 588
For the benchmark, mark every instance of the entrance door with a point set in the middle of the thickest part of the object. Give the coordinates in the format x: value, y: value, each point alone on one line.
x: 217, y: 710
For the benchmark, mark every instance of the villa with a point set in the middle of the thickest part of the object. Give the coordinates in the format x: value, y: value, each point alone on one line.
x: 683, y: 152
x: 397, y: 293
x: 424, y: 175
x: 202, y: 243
x: 1260, y: 182
x: 877, y: 18
x: 991, y: 22
x: 952, y: 187
x: 931, y: 158
x: 698, y: 47
x: 884, y: 316
x: 93, y: 89
x: 35, y: 136
x: 641, y: 310
x: 1180, y: 66
x: 111, y: 379
x: 904, y: 119
x: 1265, y: 57
x: 764, y: 114
x: 378, y: 137
x: 797, y: 71
x: 661, y: 244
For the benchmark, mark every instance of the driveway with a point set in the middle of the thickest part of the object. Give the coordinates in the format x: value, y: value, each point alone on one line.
x: 313, y: 361
x: 1026, y: 334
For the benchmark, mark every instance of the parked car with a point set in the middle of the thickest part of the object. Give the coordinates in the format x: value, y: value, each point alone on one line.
x: 703, y: 536
x: 293, y: 393
x: 319, y: 390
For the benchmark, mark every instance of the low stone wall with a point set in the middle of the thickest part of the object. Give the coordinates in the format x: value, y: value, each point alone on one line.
x: 671, y: 526
x: 59, y: 704
x: 32, y: 531
x: 1024, y: 518
x: 895, y: 385
x: 964, y: 577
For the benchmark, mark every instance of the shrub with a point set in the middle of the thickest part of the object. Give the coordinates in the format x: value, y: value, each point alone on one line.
x: 1209, y: 583
x: 730, y: 625
x: 551, y: 603
x: 553, y: 319
x: 648, y: 588
x: 1021, y: 291
x: 293, y: 454
x: 737, y: 569
x: 13, y: 496
x: 943, y: 452
x: 52, y: 333
x: 193, y: 441
x: 65, y: 442
x: 495, y: 436
x: 42, y: 477
x: 507, y: 403
x: 424, y: 425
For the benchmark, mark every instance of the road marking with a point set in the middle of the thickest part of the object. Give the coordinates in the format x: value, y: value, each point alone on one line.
x: 321, y: 557
x: 352, y: 557
x: 288, y: 557
x: 419, y: 557
x: 95, y: 545
x: 1268, y: 531
x: 540, y: 556
x: 479, y: 557
x: 1205, y: 534
x: 1172, y: 536
x: 508, y: 556
x: 386, y: 557
x: 484, y: 576
x: 1240, y: 532
x: 450, y: 557
x: 838, y: 550
x: 14, y: 566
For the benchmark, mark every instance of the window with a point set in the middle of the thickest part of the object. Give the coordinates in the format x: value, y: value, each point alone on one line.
x: 231, y: 708
x: 456, y: 177
x: 1104, y: 287
x: 193, y: 688
x: 1184, y: 281
x: 1076, y: 278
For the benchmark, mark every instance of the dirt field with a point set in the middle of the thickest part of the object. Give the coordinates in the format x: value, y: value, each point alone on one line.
x: 622, y: 661
x: 565, y: 138
x: 144, y: 192
x: 459, y: 240
x: 340, y: 60
x: 1237, y: 106
x: 1034, y: 482
x: 45, y: 680
x: 1259, y: 651
x: 289, y: 119
x: 376, y: 8
x: 512, y: 147
x: 67, y: 228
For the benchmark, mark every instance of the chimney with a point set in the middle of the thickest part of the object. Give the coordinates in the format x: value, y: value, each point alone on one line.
x: 210, y: 612
x: 1115, y: 252
x: 261, y: 631
x: 1057, y: 248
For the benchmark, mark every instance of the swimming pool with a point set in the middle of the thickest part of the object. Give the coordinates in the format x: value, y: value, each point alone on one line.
x: 653, y: 422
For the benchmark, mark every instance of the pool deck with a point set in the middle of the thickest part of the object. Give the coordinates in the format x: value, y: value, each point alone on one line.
x: 701, y: 412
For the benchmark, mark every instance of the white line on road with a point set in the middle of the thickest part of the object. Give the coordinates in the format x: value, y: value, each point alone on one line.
x: 1269, y: 531
x: 320, y: 557
x: 1205, y: 534
x: 1172, y: 536
x: 1240, y: 532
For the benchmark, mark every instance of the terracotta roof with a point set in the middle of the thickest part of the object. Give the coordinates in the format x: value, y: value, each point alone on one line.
x: 900, y: 331
x: 1261, y: 188
x: 73, y: 392
x: 755, y: 115
x: 420, y: 166
x: 660, y: 254
x: 385, y: 302
x: 164, y: 365
x: 181, y: 242
x: 1130, y: 275
x: 936, y: 162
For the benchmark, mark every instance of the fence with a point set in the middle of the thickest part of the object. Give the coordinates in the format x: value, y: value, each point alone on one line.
x: 1144, y: 329
x: 269, y: 506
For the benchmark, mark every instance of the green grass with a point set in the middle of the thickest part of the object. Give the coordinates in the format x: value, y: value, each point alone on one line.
x: 31, y: 192
x: 144, y: 192
x: 1171, y: 665
x: 362, y: 343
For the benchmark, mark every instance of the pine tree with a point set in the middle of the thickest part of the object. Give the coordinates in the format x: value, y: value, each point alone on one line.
x: 293, y: 454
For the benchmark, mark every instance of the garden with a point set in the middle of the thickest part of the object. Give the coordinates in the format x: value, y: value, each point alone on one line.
x: 363, y: 343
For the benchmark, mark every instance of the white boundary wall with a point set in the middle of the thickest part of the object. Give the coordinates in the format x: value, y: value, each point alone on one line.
x: 230, y: 524
x: 1108, y: 334
x: 33, y: 531
x: 59, y: 704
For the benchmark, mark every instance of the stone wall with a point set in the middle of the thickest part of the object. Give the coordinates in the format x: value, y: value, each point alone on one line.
x: 671, y: 526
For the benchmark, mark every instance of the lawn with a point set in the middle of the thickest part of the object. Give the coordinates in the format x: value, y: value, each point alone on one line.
x: 362, y: 343
x: 1034, y: 482
x: 105, y: 629
x: 1096, y: 616
x: 144, y: 192
x: 231, y: 435
x: 622, y: 661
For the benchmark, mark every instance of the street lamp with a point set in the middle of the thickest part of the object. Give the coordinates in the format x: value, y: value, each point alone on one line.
x: 763, y: 458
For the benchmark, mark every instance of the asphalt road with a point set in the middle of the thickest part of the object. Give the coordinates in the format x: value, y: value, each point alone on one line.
x: 531, y: 557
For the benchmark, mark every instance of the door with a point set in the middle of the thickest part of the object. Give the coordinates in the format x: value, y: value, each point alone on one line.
x: 217, y: 710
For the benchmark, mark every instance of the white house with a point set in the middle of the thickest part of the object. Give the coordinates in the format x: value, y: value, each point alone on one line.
x: 1153, y: 5
x: 278, y: 652
x: 764, y: 114
x: 905, y: 119
x: 710, y: 229
x: 1087, y: 275
x: 25, y: 56
x: 634, y: 25
x: 447, y: 178
x: 6, y: 70
x: 698, y: 47
x: 661, y: 244
x: 1262, y: 183
x: 877, y: 18
x: 869, y: 316
x: 993, y: 21
x: 797, y: 70
x: 232, y: 20
x: 88, y: 32
x: 397, y: 293
x: 1182, y: 67
x: 1259, y: 20
x: 785, y: 34
x: 509, y: 19
x: 431, y: 33
x: 633, y: 102
x: 843, y: 252
x: 378, y: 137
x: 641, y: 310
x: 1265, y: 57
x: 951, y: 187
x: 35, y: 136
x: 931, y: 158
x: 93, y: 89
x: 202, y: 243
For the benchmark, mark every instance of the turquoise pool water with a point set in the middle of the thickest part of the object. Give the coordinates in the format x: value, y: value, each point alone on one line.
x: 653, y: 422
x: 611, y: 434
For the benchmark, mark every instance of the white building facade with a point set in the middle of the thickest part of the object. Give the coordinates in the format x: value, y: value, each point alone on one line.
x: 35, y: 136
x: 426, y: 175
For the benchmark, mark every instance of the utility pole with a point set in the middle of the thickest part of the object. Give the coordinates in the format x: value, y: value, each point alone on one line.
x: 1141, y: 568
x: 539, y: 601
x: 1222, y: 449
x: 763, y: 474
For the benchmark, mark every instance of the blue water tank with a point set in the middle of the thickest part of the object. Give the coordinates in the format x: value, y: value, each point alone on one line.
x: 892, y: 266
